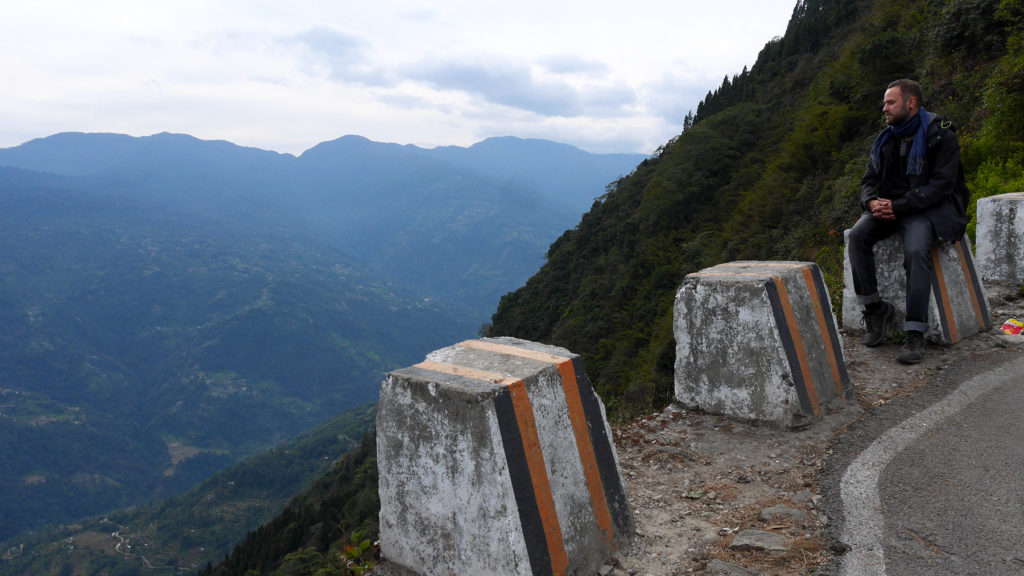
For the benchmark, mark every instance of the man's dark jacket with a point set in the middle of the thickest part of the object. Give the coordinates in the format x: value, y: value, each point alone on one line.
x: 939, y: 192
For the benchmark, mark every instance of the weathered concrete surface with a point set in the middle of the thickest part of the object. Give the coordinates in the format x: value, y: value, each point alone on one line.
x: 758, y: 341
x: 1000, y: 236
x: 495, y: 457
x: 958, y: 305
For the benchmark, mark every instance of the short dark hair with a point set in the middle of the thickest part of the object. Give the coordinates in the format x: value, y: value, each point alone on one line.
x: 909, y: 88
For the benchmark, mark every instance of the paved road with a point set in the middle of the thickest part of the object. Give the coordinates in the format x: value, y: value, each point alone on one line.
x: 934, y: 485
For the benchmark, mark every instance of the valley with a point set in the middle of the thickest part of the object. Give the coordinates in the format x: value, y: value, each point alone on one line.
x: 172, y: 305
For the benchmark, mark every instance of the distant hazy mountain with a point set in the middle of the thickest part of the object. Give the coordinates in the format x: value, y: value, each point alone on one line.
x: 461, y: 224
x: 560, y: 172
x: 170, y: 304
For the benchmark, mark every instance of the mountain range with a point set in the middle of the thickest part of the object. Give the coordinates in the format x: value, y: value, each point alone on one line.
x: 170, y: 305
x: 464, y: 225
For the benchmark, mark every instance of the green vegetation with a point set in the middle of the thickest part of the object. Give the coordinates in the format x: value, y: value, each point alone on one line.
x: 327, y: 530
x: 188, y: 531
x: 768, y: 168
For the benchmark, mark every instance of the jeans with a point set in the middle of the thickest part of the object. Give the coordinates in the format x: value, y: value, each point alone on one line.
x: 918, y: 239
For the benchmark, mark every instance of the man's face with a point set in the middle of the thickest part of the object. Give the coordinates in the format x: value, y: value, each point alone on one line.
x: 896, y: 108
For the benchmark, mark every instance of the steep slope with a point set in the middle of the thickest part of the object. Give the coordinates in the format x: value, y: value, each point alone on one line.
x: 768, y: 168
x: 333, y: 522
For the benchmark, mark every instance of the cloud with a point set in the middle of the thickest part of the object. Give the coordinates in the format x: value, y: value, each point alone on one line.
x: 345, y: 56
x: 573, y: 64
x: 439, y: 72
x: 418, y: 14
x: 501, y: 81
x: 672, y: 96
x: 608, y: 100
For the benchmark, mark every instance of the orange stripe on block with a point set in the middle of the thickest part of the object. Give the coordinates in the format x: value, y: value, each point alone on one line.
x: 798, y: 343
x: 513, y: 351
x: 756, y: 263
x: 539, y: 478
x: 826, y: 338
x: 588, y: 459
x: 968, y: 279
x: 954, y: 335
x: 584, y: 444
x: 472, y: 373
x: 726, y: 274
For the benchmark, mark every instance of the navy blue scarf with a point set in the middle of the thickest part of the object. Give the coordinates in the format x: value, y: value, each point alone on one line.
x: 916, y: 126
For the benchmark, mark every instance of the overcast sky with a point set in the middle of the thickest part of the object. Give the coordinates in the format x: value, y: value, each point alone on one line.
x: 606, y: 76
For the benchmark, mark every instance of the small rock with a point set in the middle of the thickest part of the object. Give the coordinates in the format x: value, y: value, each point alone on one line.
x: 710, y: 538
x: 839, y: 548
x: 803, y: 497
x: 780, y: 512
x: 1011, y: 339
x: 759, y: 540
x: 719, y: 568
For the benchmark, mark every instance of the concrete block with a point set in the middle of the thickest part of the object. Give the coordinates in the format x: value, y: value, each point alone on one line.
x: 958, y: 305
x: 758, y: 341
x: 1000, y: 236
x: 495, y: 457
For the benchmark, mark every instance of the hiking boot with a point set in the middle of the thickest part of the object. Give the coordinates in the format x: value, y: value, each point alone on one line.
x: 875, y: 322
x: 913, y: 348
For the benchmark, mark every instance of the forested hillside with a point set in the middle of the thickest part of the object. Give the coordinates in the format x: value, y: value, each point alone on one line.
x: 144, y: 348
x: 327, y: 530
x: 768, y: 168
x: 186, y: 532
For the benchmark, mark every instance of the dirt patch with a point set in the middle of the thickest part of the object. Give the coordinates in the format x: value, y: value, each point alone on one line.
x: 696, y: 480
x: 179, y: 453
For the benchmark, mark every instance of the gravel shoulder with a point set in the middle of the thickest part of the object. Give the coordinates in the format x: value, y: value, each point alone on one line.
x: 711, y: 495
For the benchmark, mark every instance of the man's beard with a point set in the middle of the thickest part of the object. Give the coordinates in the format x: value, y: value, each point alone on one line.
x: 899, y: 118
